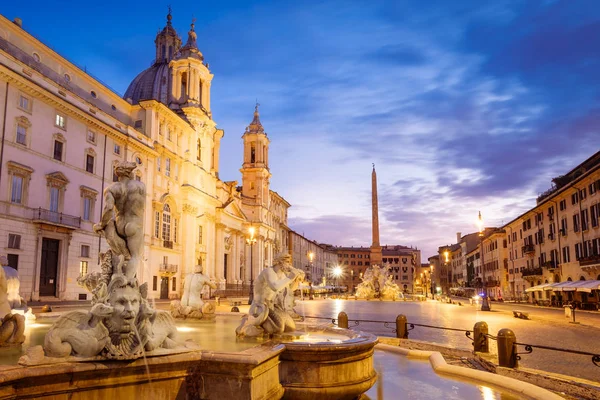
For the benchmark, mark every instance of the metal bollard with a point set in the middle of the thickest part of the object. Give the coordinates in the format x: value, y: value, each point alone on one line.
x: 401, y: 327
x: 507, y: 351
x: 480, y: 340
x: 343, y: 320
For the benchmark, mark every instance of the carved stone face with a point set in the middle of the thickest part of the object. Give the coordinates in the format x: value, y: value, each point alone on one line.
x: 126, y: 304
x: 198, y: 269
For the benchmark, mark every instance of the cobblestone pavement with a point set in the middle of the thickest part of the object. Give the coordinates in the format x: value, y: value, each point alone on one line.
x: 547, y: 327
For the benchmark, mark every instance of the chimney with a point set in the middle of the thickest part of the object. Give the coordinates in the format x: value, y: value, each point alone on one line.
x: 18, y: 22
x: 458, y: 237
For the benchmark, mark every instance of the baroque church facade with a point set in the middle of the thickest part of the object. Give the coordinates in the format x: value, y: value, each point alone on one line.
x: 63, y: 133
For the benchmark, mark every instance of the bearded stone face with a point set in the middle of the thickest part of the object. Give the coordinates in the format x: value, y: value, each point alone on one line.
x: 126, y: 304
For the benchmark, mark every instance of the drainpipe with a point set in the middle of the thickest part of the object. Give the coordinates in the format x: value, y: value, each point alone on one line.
x: 3, y: 132
x: 102, y: 193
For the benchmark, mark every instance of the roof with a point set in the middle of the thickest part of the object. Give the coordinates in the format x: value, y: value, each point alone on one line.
x: 150, y: 84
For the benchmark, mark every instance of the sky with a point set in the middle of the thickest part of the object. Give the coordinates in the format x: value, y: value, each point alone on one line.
x: 463, y: 106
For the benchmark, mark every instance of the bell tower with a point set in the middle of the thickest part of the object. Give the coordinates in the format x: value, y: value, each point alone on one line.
x: 255, y: 168
x: 167, y: 42
x: 191, y: 77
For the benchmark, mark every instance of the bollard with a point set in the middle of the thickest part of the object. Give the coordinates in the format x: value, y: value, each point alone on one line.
x: 507, y: 351
x: 343, y: 320
x: 480, y: 340
x: 401, y: 327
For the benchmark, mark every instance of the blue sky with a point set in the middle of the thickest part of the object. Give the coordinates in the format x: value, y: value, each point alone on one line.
x: 463, y: 106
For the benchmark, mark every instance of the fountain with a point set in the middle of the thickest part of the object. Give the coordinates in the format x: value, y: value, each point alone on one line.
x: 17, y: 304
x: 12, y: 324
x: 377, y: 283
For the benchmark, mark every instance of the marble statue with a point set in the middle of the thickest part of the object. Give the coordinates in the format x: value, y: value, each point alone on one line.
x: 377, y: 283
x: 122, y: 219
x: 121, y: 324
x: 268, y: 314
x: 17, y: 304
x: 191, y: 304
x: 12, y: 325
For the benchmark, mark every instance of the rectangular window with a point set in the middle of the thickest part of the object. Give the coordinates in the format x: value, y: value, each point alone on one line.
x: 89, y: 163
x: 58, y: 150
x: 582, y: 194
x: 584, y: 220
x: 563, y: 205
x: 16, y: 194
x: 158, y: 164
x: 154, y: 283
x: 174, y: 288
x: 21, y: 135
x: 575, y: 198
x: 156, y: 224
x: 83, y: 268
x: 87, y: 208
x: 91, y: 137
x: 578, y: 252
x: 54, y: 194
x: 563, y: 226
x: 594, y: 213
x: 138, y: 124
x: 60, y: 121
x: 566, y: 257
x: 14, y: 241
x: 168, y: 167
x: 117, y: 149
x: 200, y: 234
x: 85, y: 250
x: 576, y: 223
x: 24, y: 103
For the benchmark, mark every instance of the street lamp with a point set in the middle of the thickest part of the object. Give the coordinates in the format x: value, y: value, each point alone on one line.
x: 447, y: 271
x: 485, y: 303
x: 251, y: 240
x: 337, y: 272
x: 311, y: 255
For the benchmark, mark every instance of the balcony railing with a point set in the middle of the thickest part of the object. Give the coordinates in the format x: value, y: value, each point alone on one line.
x: 492, y: 283
x: 589, y: 261
x: 532, y: 272
x: 168, y: 244
x: 168, y: 268
x: 550, y: 264
x: 528, y: 249
x: 54, y: 217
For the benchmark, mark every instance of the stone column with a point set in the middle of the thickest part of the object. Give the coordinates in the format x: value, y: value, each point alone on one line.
x: 219, y: 250
x: 190, y: 226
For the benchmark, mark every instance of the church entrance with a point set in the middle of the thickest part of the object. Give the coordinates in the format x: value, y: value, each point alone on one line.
x: 49, y: 267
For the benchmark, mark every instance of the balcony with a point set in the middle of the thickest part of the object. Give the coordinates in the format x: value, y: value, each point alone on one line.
x: 167, y: 269
x: 532, y: 273
x: 589, y: 261
x: 168, y: 244
x: 56, y: 218
x: 550, y: 265
x: 492, y: 283
x: 528, y: 249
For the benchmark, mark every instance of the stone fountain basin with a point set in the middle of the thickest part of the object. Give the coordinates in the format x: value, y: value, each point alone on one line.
x: 278, y: 368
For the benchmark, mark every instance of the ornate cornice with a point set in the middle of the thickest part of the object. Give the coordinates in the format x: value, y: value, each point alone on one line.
x: 189, y: 209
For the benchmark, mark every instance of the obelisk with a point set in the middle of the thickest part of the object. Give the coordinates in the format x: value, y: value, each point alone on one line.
x: 375, y: 247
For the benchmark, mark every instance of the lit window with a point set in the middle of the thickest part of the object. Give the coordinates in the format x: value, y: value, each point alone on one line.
x: 60, y: 121
x: 200, y: 234
x: 156, y: 224
x: 83, y: 268
x: 166, y: 223
x: 91, y: 137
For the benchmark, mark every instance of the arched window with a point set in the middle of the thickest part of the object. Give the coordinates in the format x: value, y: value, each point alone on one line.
x: 164, y: 53
x: 166, y: 223
x: 170, y: 52
x: 199, y: 151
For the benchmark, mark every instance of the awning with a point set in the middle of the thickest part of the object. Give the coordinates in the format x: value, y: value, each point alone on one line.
x: 568, y: 286
x: 538, y: 288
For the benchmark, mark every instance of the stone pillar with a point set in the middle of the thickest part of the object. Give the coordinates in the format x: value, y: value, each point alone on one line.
x: 507, y: 356
x: 219, y: 251
x: 174, y: 85
x: 189, y: 224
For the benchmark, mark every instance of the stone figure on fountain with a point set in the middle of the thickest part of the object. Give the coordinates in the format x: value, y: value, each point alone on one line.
x: 377, y: 283
x: 191, y: 304
x: 268, y: 312
x: 121, y: 323
x: 12, y: 325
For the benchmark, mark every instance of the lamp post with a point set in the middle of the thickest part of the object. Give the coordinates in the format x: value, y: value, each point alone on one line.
x: 311, y: 255
x: 251, y: 240
x: 485, y: 303
x: 337, y: 272
x: 447, y: 272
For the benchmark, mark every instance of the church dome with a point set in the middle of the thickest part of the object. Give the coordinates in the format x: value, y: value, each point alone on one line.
x: 150, y: 84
